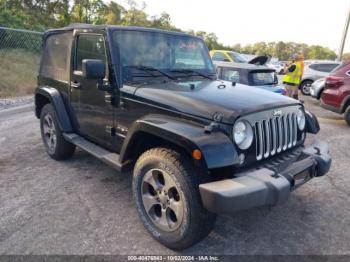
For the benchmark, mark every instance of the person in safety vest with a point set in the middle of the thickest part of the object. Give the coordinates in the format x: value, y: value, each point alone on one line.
x: 301, y: 60
x: 291, y: 79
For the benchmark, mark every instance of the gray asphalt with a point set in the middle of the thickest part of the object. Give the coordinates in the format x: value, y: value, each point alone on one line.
x: 82, y: 206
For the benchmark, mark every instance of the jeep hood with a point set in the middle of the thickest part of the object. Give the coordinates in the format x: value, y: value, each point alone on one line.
x: 206, y: 98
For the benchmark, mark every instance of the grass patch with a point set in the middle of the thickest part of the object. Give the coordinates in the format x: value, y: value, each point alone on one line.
x: 18, y: 72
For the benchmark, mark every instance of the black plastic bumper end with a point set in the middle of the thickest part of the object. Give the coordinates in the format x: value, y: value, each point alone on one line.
x: 264, y: 187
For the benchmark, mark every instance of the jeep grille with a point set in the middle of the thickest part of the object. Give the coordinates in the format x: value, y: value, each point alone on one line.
x: 275, y: 135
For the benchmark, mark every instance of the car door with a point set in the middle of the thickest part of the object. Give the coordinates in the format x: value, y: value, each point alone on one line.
x: 93, y: 114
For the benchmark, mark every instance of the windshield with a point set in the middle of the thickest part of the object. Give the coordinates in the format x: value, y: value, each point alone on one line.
x: 237, y: 57
x: 262, y: 78
x: 153, y: 54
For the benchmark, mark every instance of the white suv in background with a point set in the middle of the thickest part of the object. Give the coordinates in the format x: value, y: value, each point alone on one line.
x: 314, y: 71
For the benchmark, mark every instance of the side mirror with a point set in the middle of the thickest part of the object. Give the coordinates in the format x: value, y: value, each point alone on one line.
x: 226, y: 60
x: 93, y: 69
x: 96, y: 69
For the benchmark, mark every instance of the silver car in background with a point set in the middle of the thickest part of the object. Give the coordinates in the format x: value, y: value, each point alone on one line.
x: 313, y: 71
x: 278, y: 66
x: 317, y: 87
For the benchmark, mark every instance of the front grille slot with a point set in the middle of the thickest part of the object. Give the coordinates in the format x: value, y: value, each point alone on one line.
x: 275, y: 135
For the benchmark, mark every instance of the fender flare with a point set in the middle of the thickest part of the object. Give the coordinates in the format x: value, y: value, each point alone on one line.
x: 216, y: 147
x: 55, y: 98
x: 312, y: 125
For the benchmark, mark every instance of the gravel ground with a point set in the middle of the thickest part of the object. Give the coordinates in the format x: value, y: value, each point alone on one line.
x: 82, y: 206
x: 11, y: 102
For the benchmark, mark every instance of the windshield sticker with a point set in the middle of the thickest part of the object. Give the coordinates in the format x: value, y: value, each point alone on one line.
x: 188, y: 44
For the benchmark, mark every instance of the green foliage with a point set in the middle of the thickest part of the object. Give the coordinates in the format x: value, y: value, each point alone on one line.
x: 346, y: 57
x: 42, y: 14
x: 18, y: 72
x: 284, y: 50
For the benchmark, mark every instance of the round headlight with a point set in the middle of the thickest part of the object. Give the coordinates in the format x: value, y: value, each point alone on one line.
x: 301, y: 119
x: 242, y: 134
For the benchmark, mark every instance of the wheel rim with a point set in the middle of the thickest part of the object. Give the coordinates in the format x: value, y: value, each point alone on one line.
x: 49, y: 131
x: 161, y: 200
x: 306, y: 88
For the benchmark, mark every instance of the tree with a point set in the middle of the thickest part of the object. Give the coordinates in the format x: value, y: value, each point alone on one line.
x: 114, y: 13
x: 88, y: 11
x: 163, y: 21
x: 237, y: 48
x: 135, y: 17
x: 260, y: 48
x: 211, y: 40
x: 42, y: 14
x: 346, y: 57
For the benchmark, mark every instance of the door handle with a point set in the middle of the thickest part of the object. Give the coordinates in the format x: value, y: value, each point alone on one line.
x: 76, y: 85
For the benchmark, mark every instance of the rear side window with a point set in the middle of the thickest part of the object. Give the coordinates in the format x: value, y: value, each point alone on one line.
x: 262, y: 78
x: 56, y: 57
x: 219, y: 57
x: 89, y: 47
x: 323, y: 67
x: 229, y: 74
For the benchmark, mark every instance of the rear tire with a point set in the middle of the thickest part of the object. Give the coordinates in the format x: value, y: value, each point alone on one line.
x: 166, y: 192
x: 55, y: 144
x: 347, y: 115
x: 305, y: 87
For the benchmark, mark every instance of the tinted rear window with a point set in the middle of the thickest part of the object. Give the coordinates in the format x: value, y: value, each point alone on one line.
x: 56, y: 56
x: 230, y: 74
x: 323, y: 67
x: 262, y: 78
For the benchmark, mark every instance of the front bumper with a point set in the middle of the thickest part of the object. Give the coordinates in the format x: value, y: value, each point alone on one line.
x: 312, y: 91
x: 265, y: 186
x: 315, y: 89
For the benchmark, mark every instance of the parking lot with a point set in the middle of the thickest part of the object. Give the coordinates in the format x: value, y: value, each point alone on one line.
x: 82, y: 206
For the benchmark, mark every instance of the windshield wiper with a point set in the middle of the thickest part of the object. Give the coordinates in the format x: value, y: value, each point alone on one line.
x: 149, y: 69
x: 189, y: 71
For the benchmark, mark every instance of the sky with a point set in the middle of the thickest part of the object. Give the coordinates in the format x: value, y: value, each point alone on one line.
x: 248, y: 21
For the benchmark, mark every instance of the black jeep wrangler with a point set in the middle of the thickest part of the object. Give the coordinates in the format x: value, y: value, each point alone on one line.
x: 147, y: 100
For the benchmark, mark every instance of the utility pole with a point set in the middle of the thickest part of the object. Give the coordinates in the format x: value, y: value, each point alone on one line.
x: 345, y: 32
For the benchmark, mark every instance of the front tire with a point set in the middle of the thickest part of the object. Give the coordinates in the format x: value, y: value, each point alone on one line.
x: 165, y: 188
x: 347, y: 115
x: 305, y: 87
x: 55, y: 144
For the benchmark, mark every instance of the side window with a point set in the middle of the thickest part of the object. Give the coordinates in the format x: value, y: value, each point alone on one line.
x: 55, y: 61
x: 229, y: 74
x: 323, y: 67
x: 328, y: 67
x: 89, y: 47
x: 219, y: 57
x: 314, y: 67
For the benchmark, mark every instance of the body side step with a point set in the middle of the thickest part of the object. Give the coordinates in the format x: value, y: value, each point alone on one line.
x: 95, y: 150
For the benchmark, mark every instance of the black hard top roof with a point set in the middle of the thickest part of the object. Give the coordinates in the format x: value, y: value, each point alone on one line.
x: 89, y: 27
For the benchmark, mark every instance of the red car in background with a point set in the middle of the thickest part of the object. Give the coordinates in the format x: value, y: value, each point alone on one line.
x: 336, y: 94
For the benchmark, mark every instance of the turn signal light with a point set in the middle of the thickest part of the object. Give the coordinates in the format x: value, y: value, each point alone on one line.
x: 196, y: 154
